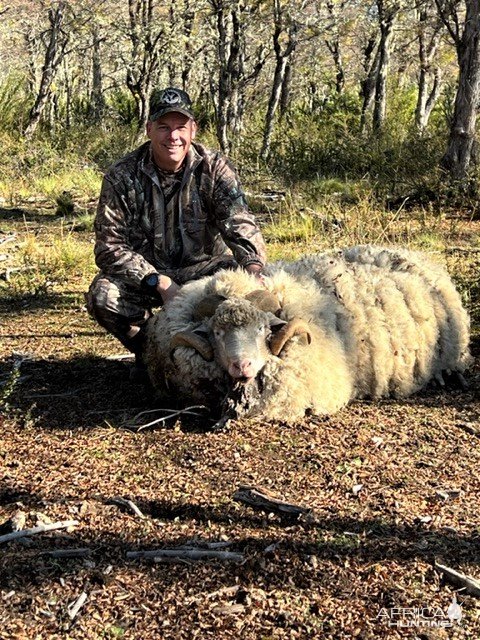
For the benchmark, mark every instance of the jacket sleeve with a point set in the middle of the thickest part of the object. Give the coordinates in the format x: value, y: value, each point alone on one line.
x: 235, y: 222
x: 113, y: 252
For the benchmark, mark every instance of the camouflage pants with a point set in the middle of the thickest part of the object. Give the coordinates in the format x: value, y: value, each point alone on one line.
x: 117, y: 306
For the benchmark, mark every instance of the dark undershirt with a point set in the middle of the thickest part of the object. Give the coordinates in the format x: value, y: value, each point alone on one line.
x: 170, y: 182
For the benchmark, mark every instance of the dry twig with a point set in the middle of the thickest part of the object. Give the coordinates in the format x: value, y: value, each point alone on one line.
x: 74, y: 607
x: 182, y: 554
x: 128, y: 504
x: 8, y: 238
x: 42, y: 528
x: 172, y: 414
x: 81, y: 552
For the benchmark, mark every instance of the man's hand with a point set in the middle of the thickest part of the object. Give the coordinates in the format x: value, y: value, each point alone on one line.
x: 167, y: 288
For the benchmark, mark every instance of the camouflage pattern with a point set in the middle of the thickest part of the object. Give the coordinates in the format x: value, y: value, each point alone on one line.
x: 185, y: 226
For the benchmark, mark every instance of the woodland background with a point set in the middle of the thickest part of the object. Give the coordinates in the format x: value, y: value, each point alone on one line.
x: 334, y: 96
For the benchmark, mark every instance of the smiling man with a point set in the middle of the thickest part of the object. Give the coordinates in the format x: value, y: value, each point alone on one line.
x: 169, y: 212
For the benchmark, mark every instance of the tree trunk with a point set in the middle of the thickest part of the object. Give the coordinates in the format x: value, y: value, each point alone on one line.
x: 68, y: 82
x: 272, y: 106
x: 145, y: 38
x: 334, y: 48
x: 231, y: 20
x: 224, y: 85
x: 427, y: 48
x: 282, y: 57
x: 367, y: 91
x: 97, y: 98
x: 426, y: 98
x: 32, y: 45
x: 188, y: 20
x: 386, y: 19
x: 53, y: 56
x: 285, y: 93
x: 460, y: 149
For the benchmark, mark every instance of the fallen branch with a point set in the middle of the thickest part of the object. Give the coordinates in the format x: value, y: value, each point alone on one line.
x: 469, y: 427
x: 69, y: 553
x: 172, y: 414
x: 8, y: 238
x: 466, y: 583
x: 42, y: 528
x: 257, y: 499
x: 75, y: 607
x: 182, y: 554
x: 128, y: 504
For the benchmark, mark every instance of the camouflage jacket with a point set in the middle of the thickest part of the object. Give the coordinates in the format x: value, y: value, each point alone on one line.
x: 211, y: 218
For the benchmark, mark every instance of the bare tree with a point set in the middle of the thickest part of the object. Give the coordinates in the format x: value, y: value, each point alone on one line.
x: 286, y: 28
x: 145, y: 31
x: 97, y: 98
x: 236, y: 69
x: 430, y: 30
x: 387, y: 12
x: 56, y: 40
x: 371, y: 59
x: 332, y: 41
x: 466, y: 36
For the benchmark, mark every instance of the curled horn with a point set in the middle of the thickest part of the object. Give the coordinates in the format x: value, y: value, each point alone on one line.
x: 295, y: 327
x: 207, y: 306
x: 194, y: 341
x: 264, y: 300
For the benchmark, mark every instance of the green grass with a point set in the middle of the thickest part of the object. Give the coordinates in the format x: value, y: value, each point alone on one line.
x: 45, y: 262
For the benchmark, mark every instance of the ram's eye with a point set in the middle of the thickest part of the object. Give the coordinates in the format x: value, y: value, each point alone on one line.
x: 218, y: 333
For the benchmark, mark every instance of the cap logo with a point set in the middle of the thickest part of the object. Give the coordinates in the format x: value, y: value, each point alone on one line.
x: 171, y: 97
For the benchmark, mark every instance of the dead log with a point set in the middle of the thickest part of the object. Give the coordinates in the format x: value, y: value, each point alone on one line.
x: 258, y: 499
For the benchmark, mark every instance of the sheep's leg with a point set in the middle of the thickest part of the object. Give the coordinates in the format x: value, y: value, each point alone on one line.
x: 461, y: 380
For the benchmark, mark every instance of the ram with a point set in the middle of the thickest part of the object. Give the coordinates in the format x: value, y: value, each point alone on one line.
x: 361, y: 322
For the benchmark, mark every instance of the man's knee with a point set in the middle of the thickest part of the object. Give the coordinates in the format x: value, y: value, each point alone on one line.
x: 102, y: 300
x: 115, y: 307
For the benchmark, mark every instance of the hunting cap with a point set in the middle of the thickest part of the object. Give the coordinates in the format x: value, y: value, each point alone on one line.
x: 164, y: 101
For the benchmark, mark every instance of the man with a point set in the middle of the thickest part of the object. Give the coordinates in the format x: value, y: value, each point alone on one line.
x: 169, y: 212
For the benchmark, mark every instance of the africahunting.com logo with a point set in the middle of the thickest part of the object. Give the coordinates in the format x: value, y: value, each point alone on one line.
x: 421, y: 617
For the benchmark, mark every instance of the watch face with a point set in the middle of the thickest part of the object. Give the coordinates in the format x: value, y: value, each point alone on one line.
x: 152, y: 280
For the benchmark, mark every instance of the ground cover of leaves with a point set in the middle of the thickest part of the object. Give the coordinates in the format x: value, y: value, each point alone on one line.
x: 393, y: 486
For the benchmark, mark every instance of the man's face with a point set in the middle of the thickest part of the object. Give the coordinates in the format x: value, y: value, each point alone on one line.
x: 171, y: 136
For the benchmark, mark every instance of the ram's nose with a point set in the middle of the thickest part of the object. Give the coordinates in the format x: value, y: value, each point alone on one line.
x: 242, y: 369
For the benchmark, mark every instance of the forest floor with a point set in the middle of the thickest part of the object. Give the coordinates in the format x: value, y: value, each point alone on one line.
x: 393, y: 487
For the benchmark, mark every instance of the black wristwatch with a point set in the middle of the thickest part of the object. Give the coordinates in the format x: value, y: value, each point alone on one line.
x: 150, y: 283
